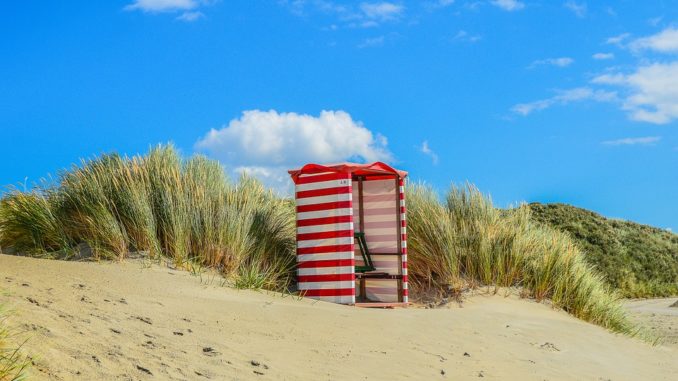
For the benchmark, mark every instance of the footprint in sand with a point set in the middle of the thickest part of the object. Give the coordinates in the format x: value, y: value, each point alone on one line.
x: 209, y: 351
x: 145, y: 370
x: 115, y: 353
x: 144, y: 319
x: 549, y: 347
x: 37, y: 328
x: 34, y: 301
x: 257, y: 364
x: 201, y: 374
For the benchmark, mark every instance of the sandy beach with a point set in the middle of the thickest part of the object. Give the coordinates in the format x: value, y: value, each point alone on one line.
x: 136, y: 321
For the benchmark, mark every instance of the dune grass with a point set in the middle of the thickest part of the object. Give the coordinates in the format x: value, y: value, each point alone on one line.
x: 13, y: 364
x: 189, y: 213
x: 466, y: 242
x: 186, y: 211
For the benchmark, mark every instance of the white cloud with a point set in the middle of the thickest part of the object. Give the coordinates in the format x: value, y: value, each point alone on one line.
x: 190, y: 16
x: 187, y: 9
x: 655, y: 20
x: 565, y: 97
x: 273, y: 177
x: 162, y: 5
x: 267, y: 143
x: 473, y: 5
x: 603, y: 56
x: 508, y: 5
x: 463, y: 35
x: 444, y: 3
x: 426, y: 150
x: 665, y: 41
x: 382, y: 11
x: 578, y: 9
x: 652, y: 92
x: 559, y: 62
x: 617, y: 40
x: 647, y: 140
x: 362, y: 15
x: 326, y: 6
x: 372, y: 42
x: 610, y: 79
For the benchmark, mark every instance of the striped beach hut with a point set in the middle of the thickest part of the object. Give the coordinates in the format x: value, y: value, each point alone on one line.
x: 351, y: 233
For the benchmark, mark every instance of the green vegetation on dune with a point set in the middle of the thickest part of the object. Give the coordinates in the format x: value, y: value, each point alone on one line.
x: 638, y: 260
x: 188, y: 212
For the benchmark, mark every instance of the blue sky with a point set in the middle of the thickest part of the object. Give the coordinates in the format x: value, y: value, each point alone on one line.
x: 551, y: 101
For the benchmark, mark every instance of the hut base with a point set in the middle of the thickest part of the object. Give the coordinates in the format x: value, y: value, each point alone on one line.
x: 381, y: 305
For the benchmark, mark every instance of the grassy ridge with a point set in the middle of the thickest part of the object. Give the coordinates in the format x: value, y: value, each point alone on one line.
x: 189, y: 212
x: 638, y: 260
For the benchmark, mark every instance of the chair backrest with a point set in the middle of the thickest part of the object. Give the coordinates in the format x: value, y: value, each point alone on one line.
x: 365, y: 252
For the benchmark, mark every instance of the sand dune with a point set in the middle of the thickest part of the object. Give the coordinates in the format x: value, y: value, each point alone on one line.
x: 130, y: 321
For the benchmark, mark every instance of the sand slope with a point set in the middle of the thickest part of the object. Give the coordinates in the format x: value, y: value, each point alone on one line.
x: 127, y: 321
x: 659, y: 316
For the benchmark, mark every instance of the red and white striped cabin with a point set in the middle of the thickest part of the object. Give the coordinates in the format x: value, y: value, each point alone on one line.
x: 333, y: 203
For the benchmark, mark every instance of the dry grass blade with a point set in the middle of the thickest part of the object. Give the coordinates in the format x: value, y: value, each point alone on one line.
x: 13, y: 364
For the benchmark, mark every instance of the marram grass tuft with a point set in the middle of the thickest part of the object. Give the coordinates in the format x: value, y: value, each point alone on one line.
x: 162, y: 205
x: 466, y: 242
